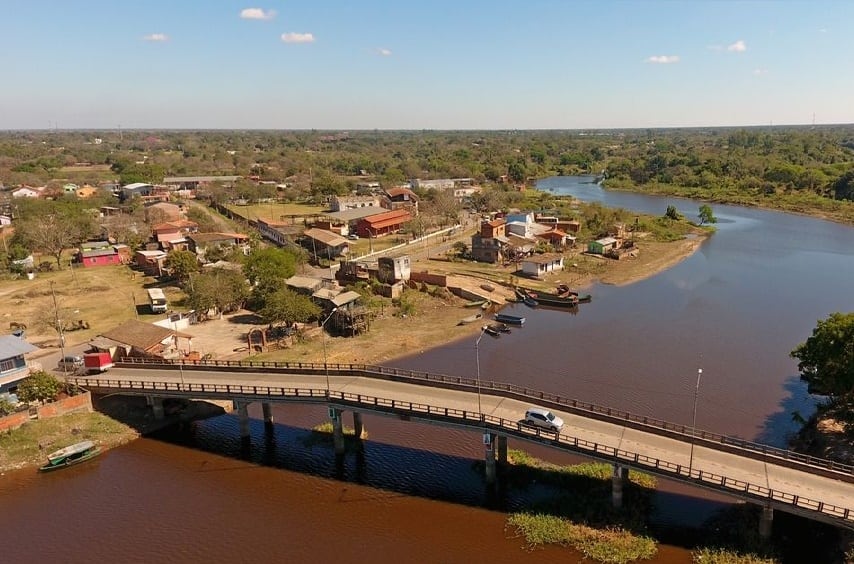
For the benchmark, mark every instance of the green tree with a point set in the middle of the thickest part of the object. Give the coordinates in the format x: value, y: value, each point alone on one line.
x: 54, y: 229
x: 182, y: 264
x: 284, y: 306
x: 706, y: 215
x: 672, y: 213
x: 843, y: 189
x: 268, y: 268
x: 225, y: 290
x: 38, y: 386
x: 6, y: 407
x: 826, y: 359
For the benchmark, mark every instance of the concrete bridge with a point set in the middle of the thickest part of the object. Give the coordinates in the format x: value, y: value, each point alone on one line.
x: 773, y: 478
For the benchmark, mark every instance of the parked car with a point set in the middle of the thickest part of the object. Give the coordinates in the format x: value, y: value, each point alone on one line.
x: 543, y: 418
x: 353, y: 237
x: 70, y: 363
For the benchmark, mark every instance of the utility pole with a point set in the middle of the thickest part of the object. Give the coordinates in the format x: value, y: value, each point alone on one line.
x: 58, y: 323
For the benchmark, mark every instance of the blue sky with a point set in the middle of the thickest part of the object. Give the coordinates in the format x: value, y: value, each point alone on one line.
x: 424, y: 64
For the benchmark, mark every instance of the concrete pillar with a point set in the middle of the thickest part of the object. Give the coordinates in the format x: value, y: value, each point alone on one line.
x: 765, y: 522
x: 157, y: 408
x: 243, y: 415
x: 489, y: 441
x: 337, y: 430
x: 357, y: 425
x: 268, y: 414
x: 618, y: 478
x: 501, y: 443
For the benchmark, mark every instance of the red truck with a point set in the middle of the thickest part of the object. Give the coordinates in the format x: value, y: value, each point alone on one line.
x: 97, y: 362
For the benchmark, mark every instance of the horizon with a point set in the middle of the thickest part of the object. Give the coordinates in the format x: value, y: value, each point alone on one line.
x: 477, y: 65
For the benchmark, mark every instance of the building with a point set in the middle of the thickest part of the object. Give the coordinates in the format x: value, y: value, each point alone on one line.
x: 172, y: 234
x: 601, y: 246
x: 163, y: 211
x: 138, y: 339
x: 193, y: 182
x: 150, y: 262
x: 28, y: 192
x: 342, y: 203
x: 537, y: 265
x: 488, y: 245
x: 201, y: 242
x: 135, y: 190
x: 13, y: 366
x: 382, y: 223
x: 393, y: 269
x: 401, y: 198
x: 557, y: 238
x: 322, y: 243
x: 305, y: 285
x: 436, y: 184
x: 86, y: 191
x: 279, y: 232
x: 98, y: 253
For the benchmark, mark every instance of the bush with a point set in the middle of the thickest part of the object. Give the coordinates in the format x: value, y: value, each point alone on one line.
x: 6, y: 407
x: 38, y: 386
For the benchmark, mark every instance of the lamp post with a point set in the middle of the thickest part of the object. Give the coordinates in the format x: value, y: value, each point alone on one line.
x: 477, y: 360
x: 58, y: 323
x: 323, y: 336
x: 694, y: 422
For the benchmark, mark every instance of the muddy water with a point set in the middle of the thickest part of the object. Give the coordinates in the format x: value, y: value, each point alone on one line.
x: 735, y: 308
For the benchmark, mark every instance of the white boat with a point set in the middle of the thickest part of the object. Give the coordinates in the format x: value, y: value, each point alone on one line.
x: 70, y: 451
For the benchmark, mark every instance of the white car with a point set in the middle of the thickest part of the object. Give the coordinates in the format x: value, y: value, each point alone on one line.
x: 543, y: 418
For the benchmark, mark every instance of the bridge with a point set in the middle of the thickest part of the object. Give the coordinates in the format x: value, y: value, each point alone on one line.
x: 773, y: 478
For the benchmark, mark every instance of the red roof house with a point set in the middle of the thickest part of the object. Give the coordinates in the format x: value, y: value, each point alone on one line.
x: 382, y: 223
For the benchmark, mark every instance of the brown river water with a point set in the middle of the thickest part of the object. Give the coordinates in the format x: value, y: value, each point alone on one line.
x: 735, y: 308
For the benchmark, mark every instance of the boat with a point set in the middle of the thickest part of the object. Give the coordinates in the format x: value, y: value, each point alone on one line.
x: 509, y: 319
x: 553, y: 300
x: 486, y: 305
x: 502, y: 328
x: 475, y: 303
x: 70, y: 456
x: 525, y: 298
x: 563, y: 291
x: 490, y: 330
x: 470, y: 319
x: 487, y: 287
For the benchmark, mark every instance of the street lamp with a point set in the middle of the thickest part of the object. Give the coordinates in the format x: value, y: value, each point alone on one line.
x: 477, y: 360
x: 323, y: 337
x: 694, y: 422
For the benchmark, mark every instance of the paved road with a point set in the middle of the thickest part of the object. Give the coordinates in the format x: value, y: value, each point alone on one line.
x: 748, y: 469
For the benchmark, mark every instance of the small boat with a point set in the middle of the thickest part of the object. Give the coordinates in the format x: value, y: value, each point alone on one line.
x: 70, y: 455
x: 475, y: 303
x: 553, y: 300
x: 470, y: 319
x: 584, y: 298
x: 502, y: 328
x: 509, y: 319
x: 525, y: 298
x: 490, y: 330
x: 487, y: 287
x: 486, y: 305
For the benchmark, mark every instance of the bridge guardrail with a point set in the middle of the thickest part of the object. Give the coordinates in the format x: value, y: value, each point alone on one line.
x: 523, y: 393
x: 759, y: 494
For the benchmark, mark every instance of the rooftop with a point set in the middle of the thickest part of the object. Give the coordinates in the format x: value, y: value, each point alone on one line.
x: 180, y: 179
x: 139, y: 334
x: 326, y: 237
x: 11, y: 346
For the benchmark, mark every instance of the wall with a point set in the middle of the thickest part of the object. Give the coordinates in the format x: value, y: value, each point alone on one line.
x: 80, y: 402
x: 432, y: 279
x: 14, y: 421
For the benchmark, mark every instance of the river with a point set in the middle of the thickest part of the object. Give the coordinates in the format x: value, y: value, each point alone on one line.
x: 735, y: 308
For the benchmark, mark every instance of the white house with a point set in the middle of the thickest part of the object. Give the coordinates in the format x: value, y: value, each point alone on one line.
x: 27, y: 192
x: 538, y: 265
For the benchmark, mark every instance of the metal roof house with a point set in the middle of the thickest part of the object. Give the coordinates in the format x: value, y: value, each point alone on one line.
x: 13, y: 367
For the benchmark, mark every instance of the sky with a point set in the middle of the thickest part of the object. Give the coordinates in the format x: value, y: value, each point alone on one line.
x: 424, y: 64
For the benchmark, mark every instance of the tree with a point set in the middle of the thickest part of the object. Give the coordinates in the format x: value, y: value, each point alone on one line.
x: 6, y: 407
x: 38, y: 386
x: 706, y: 215
x: 268, y: 268
x: 182, y: 264
x: 225, y: 290
x: 54, y: 231
x: 672, y: 213
x: 284, y: 306
x: 843, y: 189
x: 826, y: 359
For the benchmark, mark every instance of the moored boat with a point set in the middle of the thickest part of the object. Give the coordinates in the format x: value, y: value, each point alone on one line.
x: 70, y: 455
x: 470, y: 319
x: 509, y: 319
x: 475, y: 303
x: 525, y: 298
x: 490, y: 330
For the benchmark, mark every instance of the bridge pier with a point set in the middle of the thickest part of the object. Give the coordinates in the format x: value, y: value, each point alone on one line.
x: 268, y: 414
x: 156, y: 405
x: 618, y: 478
x: 766, y: 521
x: 337, y: 430
x: 243, y: 415
x: 501, y: 445
x: 489, y: 441
x: 357, y: 425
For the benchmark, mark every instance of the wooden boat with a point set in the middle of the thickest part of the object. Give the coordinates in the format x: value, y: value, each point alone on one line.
x: 470, y: 319
x: 525, y: 298
x: 475, y: 303
x: 563, y: 291
x: 487, y: 287
x: 490, y: 330
x: 70, y: 456
x: 547, y: 299
x: 509, y: 319
x: 502, y: 327
x: 486, y: 305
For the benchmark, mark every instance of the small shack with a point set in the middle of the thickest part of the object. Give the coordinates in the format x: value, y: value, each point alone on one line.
x: 538, y: 265
x: 602, y: 246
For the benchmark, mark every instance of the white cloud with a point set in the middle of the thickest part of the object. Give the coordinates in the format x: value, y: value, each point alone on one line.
x: 384, y: 52
x: 760, y: 72
x: 293, y: 37
x: 663, y: 59
x: 257, y: 14
x: 823, y: 30
x: 156, y: 37
x: 738, y: 47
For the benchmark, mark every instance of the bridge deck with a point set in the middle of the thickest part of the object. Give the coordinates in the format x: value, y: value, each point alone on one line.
x: 800, y: 489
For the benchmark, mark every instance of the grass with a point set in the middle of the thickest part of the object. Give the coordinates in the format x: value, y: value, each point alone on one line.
x: 30, y: 444
x: 723, y: 556
x: 275, y: 211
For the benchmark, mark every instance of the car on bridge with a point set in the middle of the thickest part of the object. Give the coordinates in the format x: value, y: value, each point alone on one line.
x: 543, y: 418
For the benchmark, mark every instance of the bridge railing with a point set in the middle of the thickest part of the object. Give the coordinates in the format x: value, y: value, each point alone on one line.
x: 759, y: 450
x: 757, y: 493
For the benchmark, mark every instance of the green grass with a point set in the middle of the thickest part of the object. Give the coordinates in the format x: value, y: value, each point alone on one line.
x: 275, y: 211
x: 722, y: 556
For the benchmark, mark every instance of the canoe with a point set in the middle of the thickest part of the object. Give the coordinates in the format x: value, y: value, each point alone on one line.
x: 470, y: 319
x: 70, y: 456
x: 475, y: 303
x: 490, y: 330
x: 487, y: 287
x: 525, y: 298
x: 509, y: 319
x: 70, y: 451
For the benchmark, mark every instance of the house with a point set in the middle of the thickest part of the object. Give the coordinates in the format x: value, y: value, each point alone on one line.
x: 279, y: 232
x: 305, y: 285
x: 382, y: 223
x: 201, y: 242
x: 557, y: 238
x: 172, y: 234
x: 401, y: 198
x: 437, y: 184
x: 86, y: 191
x: 538, y: 265
x: 393, y: 269
x: 28, y: 192
x: 13, y: 366
x: 601, y: 246
x: 98, y: 253
x: 342, y: 203
x: 163, y: 211
x: 5, y: 219
x: 489, y: 244
x: 193, y: 182
x: 325, y: 243
x: 135, y: 190
x: 138, y: 339
x: 150, y: 262
x: 571, y: 226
